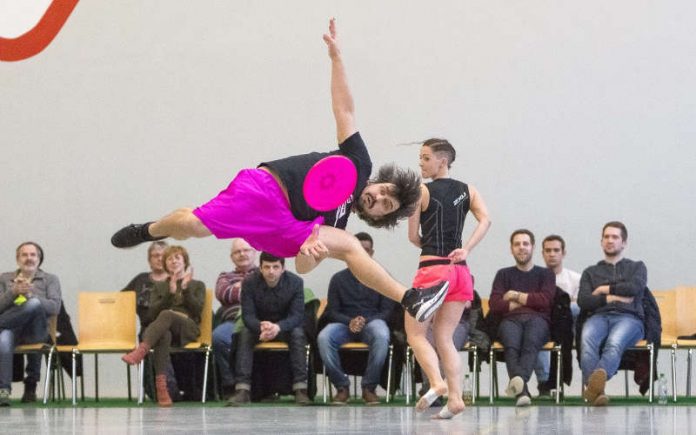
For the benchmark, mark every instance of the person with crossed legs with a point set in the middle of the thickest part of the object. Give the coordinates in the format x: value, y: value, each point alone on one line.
x: 436, y: 227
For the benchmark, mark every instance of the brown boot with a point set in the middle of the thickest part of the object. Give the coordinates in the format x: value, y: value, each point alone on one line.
x: 136, y: 355
x: 163, y: 398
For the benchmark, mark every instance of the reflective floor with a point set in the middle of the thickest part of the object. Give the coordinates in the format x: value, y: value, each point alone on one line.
x: 345, y: 420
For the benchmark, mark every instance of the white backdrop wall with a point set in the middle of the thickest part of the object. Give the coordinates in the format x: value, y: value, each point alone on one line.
x: 565, y: 115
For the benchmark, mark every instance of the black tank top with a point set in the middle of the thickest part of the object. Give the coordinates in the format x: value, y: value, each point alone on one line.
x: 443, y: 221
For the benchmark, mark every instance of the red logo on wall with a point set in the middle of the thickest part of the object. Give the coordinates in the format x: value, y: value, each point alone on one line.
x: 38, y: 38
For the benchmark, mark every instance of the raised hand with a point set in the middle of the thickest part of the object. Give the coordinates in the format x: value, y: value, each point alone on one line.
x: 331, y: 39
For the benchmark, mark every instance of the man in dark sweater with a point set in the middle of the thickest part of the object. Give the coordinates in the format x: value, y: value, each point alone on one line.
x: 272, y: 310
x: 612, y: 293
x: 522, y: 296
x: 355, y: 313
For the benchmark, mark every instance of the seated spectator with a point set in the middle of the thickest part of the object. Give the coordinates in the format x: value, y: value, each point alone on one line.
x: 611, y: 295
x: 355, y: 313
x: 227, y: 291
x: 176, y: 306
x: 28, y: 296
x: 272, y: 310
x: 522, y: 296
x: 142, y: 285
x: 554, y: 252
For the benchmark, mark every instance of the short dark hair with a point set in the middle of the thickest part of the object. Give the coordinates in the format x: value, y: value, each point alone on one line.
x: 442, y: 146
x: 554, y: 237
x: 522, y: 231
x: 364, y: 237
x: 39, y: 250
x: 620, y: 226
x: 407, y: 184
x: 270, y: 258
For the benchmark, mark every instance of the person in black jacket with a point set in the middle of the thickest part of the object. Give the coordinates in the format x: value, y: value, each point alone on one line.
x: 612, y: 292
x: 272, y: 309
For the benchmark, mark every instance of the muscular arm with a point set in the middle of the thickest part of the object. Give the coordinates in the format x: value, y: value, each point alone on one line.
x: 341, y: 98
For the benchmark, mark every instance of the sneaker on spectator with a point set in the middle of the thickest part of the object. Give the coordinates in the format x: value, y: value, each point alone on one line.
x: 4, y: 397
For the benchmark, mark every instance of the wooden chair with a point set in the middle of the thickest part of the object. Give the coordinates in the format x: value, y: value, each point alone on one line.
x: 44, y: 349
x: 204, y: 342
x: 107, y: 324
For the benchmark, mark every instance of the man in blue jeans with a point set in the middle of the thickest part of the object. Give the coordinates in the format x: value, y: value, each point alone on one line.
x: 28, y: 296
x: 612, y: 291
x: 522, y: 295
x: 228, y: 291
x: 355, y: 313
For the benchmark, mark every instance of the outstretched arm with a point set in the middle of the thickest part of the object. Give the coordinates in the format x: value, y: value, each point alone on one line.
x: 341, y: 98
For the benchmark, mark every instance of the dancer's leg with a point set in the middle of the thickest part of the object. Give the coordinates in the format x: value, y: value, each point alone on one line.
x: 445, y: 322
x: 180, y: 224
x: 343, y: 246
x: 427, y: 358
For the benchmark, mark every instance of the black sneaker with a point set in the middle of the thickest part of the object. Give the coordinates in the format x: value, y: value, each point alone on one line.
x: 423, y: 302
x: 133, y: 235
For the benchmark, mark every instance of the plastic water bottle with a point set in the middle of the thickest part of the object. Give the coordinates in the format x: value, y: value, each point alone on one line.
x: 662, y: 389
x: 467, y: 393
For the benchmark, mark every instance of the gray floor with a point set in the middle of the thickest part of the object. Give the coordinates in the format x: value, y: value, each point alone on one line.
x: 345, y: 420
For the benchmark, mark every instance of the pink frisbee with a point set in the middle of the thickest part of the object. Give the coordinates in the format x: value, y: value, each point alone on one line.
x: 329, y: 182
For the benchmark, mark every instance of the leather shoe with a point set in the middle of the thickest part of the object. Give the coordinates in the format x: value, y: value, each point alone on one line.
x: 342, y: 396
x: 29, y: 395
x: 370, y: 397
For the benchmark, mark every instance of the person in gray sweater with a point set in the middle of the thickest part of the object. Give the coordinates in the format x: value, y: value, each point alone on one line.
x: 611, y: 292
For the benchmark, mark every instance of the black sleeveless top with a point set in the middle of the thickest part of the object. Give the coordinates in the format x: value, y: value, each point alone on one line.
x: 443, y: 221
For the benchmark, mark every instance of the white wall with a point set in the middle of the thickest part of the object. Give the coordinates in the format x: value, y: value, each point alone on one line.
x: 565, y: 115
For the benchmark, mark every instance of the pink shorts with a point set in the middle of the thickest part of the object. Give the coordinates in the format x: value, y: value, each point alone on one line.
x: 254, y: 208
x: 431, y: 272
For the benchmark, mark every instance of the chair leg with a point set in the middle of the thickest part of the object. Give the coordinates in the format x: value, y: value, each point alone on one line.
x: 96, y: 377
x: 559, y: 362
x: 389, y: 371
x: 626, y: 383
x: 128, y: 376
x: 323, y: 383
x: 409, y: 376
x: 49, y: 372
x: 475, y: 387
x: 673, y: 355
x: 651, y: 348
x: 688, y: 373
x: 141, y: 386
x: 205, y: 375
x: 74, y: 384
x: 491, y: 356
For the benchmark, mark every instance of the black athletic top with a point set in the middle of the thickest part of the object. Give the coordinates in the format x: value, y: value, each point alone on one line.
x: 293, y: 170
x: 443, y: 221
